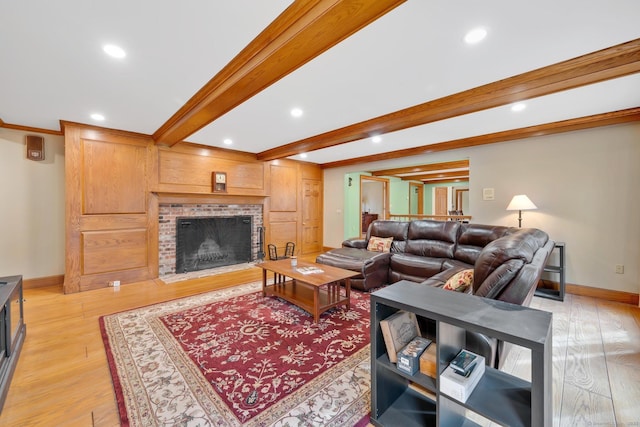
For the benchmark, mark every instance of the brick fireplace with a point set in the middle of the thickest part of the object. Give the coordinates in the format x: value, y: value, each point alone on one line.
x: 170, y: 212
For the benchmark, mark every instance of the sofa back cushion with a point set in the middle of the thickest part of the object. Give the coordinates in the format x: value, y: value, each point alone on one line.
x: 432, y: 238
x: 395, y: 229
x: 502, y: 259
x: 474, y: 237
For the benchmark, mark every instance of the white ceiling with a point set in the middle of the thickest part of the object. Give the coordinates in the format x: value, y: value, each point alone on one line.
x: 53, y: 68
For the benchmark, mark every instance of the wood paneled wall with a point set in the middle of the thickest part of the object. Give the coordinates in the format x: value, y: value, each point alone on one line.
x: 115, y: 181
x: 108, y: 221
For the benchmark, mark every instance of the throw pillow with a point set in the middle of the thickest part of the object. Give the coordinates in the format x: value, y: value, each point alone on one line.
x: 379, y: 244
x: 460, y: 281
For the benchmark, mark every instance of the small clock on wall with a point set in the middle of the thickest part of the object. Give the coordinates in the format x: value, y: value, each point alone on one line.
x: 219, y: 182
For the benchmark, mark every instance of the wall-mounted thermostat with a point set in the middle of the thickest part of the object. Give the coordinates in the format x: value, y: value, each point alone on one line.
x: 488, y: 194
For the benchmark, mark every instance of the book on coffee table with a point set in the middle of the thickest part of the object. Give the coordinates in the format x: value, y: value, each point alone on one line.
x: 398, y: 330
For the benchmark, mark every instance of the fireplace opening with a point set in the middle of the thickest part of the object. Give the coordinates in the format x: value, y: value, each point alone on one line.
x: 203, y: 243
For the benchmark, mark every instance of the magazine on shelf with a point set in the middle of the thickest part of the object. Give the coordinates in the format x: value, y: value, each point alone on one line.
x: 397, y: 330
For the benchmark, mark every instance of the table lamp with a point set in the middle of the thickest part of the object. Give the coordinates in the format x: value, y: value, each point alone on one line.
x: 521, y: 203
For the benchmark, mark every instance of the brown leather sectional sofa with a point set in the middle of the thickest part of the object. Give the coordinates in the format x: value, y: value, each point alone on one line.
x: 507, y: 262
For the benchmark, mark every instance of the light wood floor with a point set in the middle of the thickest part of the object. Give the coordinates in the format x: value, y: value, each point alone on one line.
x: 62, y: 377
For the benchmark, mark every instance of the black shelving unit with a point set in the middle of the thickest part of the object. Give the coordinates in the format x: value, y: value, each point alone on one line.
x: 12, y: 330
x: 499, y: 397
x: 555, y: 269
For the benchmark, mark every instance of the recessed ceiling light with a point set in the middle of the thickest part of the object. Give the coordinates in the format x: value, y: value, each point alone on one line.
x: 98, y: 117
x: 114, y: 51
x: 297, y: 112
x: 227, y: 141
x: 303, y: 155
x: 476, y: 35
x: 518, y: 106
x: 376, y: 139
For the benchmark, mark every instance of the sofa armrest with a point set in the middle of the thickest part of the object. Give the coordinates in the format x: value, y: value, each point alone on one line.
x: 355, y: 242
x: 375, y: 270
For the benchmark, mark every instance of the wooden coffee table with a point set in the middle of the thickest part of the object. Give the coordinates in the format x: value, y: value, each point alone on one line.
x: 315, y: 292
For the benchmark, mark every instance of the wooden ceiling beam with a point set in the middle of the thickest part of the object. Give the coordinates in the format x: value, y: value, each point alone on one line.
x: 588, y: 122
x: 458, y: 164
x: 614, y: 62
x: 443, y: 181
x: 303, y: 31
x: 436, y: 176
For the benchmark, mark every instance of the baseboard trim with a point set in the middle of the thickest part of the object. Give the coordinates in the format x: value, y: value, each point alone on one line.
x: 605, y: 294
x: 599, y: 293
x: 42, y: 282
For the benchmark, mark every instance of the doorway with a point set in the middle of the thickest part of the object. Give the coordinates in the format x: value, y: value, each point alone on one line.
x: 462, y: 200
x: 374, y: 200
x: 416, y: 198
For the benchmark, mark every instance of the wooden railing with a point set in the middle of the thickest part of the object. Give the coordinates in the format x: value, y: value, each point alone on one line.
x: 409, y: 217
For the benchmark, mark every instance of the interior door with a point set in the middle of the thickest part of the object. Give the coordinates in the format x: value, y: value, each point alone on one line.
x: 311, y: 216
x: 441, y: 201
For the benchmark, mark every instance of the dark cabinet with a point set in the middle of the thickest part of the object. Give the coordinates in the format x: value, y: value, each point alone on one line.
x: 12, y: 330
x: 367, y: 218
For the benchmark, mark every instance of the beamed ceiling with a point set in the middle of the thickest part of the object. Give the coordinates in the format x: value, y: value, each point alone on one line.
x: 205, y: 72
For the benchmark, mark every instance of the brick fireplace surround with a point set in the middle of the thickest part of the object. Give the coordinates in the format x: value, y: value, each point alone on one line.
x: 167, y: 227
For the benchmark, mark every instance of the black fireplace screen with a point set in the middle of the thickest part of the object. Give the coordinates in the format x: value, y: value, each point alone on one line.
x: 203, y: 243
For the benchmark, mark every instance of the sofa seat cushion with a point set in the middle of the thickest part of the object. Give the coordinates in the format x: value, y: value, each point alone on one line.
x: 388, y: 228
x: 347, y: 258
x: 372, y: 266
x: 432, y: 238
x: 474, y: 237
x: 413, y: 267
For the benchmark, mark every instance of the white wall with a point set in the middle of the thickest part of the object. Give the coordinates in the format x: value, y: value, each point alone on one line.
x: 585, y: 184
x: 32, y: 213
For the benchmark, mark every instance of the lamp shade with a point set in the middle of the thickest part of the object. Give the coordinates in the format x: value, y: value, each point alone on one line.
x: 521, y: 202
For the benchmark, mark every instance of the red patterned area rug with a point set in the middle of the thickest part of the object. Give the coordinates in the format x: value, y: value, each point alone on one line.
x: 234, y: 358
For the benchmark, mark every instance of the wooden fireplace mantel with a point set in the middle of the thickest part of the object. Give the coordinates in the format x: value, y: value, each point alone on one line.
x: 210, y: 198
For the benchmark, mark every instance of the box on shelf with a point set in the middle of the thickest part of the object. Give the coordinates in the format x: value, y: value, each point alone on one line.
x: 409, y: 356
x: 459, y: 386
x: 397, y: 330
x: 428, y: 361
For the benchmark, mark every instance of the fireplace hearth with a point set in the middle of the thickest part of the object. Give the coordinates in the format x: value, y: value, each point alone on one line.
x: 203, y: 243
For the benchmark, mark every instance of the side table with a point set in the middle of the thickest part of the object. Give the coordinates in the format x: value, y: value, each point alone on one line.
x: 557, y: 269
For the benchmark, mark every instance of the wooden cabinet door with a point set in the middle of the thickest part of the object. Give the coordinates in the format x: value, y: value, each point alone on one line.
x: 311, y: 215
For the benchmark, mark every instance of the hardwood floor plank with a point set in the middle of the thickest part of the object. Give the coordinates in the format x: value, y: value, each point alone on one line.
x: 625, y: 391
x: 561, y: 314
x: 585, y: 364
x: 583, y: 408
x: 622, y: 340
